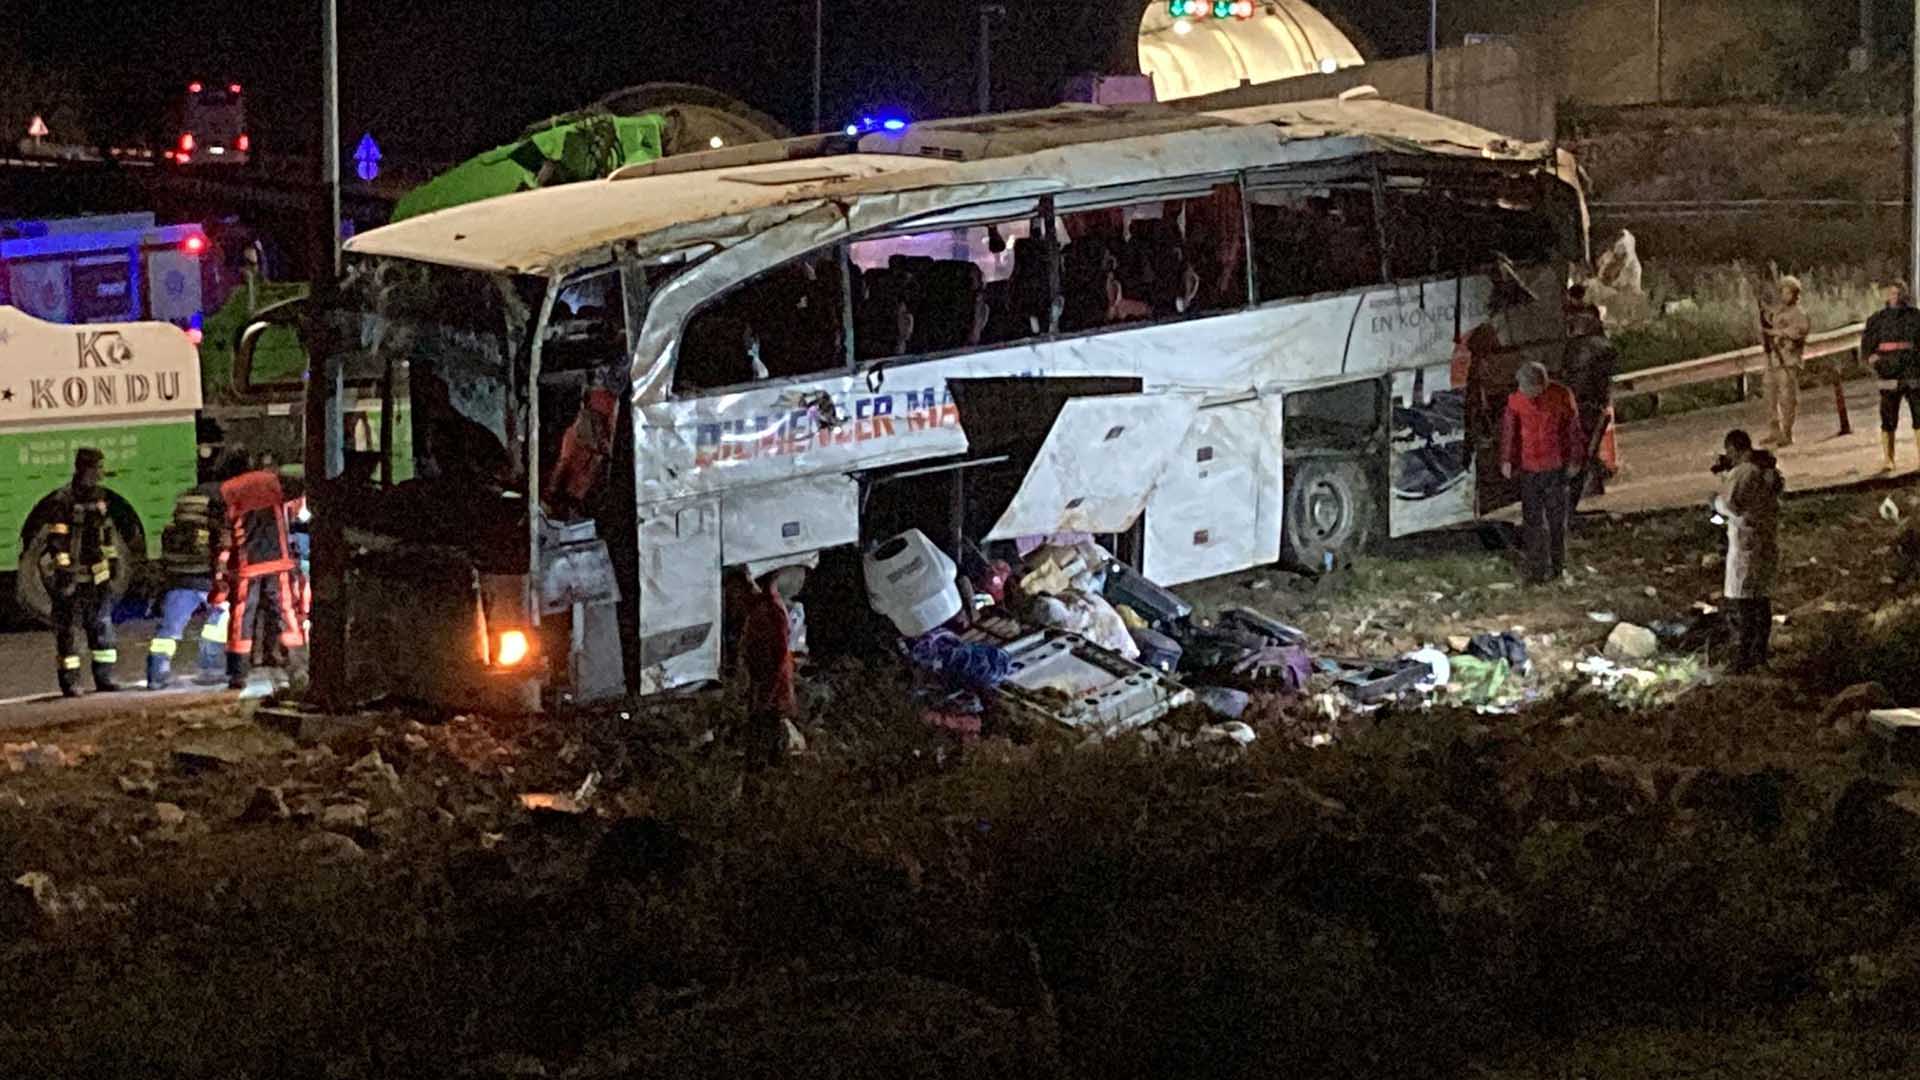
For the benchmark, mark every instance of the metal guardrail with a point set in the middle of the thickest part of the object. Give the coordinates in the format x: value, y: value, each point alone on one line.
x: 1736, y: 364
x: 1639, y: 206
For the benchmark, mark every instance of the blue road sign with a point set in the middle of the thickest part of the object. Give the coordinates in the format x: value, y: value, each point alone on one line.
x: 366, y: 158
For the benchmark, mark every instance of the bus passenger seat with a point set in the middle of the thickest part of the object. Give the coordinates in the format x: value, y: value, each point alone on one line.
x: 949, y: 305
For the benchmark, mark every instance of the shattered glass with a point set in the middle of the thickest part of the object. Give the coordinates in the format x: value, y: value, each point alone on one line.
x: 452, y: 341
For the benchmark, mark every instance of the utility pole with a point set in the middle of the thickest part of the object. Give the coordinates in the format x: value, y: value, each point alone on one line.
x: 1863, y: 58
x: 1913, y: 149
x: 819, y: 51
x: 987, y: 12
x: 1433, y: 46
x: 330, y: 124
x: 1660, y: 54
x: 328, y: 644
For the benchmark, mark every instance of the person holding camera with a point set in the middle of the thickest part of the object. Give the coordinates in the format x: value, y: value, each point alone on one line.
x: 1890, y: 344
x: 1543, y: 447
x: 1749, y: 500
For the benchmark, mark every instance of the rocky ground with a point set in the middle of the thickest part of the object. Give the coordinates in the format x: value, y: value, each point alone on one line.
x: 1719, y: 877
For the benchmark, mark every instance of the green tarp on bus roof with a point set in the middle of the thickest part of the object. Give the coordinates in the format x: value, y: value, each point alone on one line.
x: 584, y: 149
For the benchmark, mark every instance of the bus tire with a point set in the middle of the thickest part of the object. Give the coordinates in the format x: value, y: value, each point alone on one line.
x: 1330, y: 509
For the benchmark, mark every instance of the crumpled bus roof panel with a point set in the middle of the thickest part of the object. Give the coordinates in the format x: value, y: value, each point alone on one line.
x: 1061, y: 148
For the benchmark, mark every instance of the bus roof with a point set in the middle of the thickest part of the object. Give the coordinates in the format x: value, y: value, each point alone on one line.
x: 724, y: 195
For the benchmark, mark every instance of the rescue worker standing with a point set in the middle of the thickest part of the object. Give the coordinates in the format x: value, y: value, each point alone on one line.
x: 1542, y: 446
x: 766, y: 652
x: 1588, y: 363
x: 1787, y: 328
x: 188, y: 549
x: 1890, y: 344
x: 1750, y: 503
x: 81, y: 559
x: 257, y: 575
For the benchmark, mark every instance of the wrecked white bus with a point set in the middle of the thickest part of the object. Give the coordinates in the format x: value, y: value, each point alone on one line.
x: 1220, y: 339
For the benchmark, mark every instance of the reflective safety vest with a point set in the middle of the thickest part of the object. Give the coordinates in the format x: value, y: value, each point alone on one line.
x: 82, y: 544
x: 187, y: 542
x: 254, y: 537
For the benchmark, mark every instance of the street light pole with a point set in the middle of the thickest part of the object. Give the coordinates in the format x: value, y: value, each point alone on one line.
x: 1913, y: 149
x: 987, y: 12
x: 1433, y: 46
x: 1659, y: 55
x: 819, y: 49
x: 330, y: 124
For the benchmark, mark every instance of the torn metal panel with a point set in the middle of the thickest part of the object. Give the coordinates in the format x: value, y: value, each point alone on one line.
x: 1098, y: 465
x: 1269, y: 480
x: 766, y: 522
x: 1203, y: 518
x: 679, y: 594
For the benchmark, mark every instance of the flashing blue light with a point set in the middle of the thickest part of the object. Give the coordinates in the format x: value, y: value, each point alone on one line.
x: 893, y: 125
x: 196, y: 321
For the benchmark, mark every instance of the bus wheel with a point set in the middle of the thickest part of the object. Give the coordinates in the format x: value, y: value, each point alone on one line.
x: 1329, y: 511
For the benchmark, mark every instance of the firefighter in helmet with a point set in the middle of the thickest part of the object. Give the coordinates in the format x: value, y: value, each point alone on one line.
x: 78, y: 563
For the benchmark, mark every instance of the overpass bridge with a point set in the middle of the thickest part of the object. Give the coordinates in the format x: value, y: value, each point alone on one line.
x: 281, y: 198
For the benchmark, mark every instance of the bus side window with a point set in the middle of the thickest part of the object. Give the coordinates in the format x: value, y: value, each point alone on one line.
x: 1309, y: 240
x: 785, y: 323
x: 949, y: 289
x: 1482, y: 220
x: 1156, y: 259
x: 1413, y: 228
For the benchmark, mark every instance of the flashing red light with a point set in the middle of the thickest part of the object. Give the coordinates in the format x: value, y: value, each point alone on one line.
x: 234, y: 89
x: 195, y: 336
x: 194, y: 244
x: 194, y: 88
x: 243, y: 143
x: 186, y: 142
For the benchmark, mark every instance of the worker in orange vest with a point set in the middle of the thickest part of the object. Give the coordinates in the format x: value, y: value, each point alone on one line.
x: 260, y: 567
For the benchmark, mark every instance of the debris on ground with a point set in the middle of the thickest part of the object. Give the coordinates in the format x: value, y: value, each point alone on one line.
x: 267, y: 804
x: 20, y: 757
x: 1642, y: 687
x: 36, y: 892
x: 1629, y: 642
x: 1899, y: 729
x: 331, y: 848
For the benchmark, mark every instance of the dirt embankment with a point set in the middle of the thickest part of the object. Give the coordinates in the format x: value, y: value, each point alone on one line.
x: 1736, y: 152
x: 1747, y: 152
x: 1578, y: 888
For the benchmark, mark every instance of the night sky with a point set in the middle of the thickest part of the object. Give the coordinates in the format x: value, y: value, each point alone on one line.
x: 441, y: 80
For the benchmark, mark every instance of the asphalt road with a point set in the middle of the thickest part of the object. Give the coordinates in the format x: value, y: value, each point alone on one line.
x: 30, y: 693
x: 1665, y: 463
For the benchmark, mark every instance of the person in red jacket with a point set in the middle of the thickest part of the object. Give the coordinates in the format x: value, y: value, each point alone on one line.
x: 766, y: 653
x: 256, y: 570
x: 1542, y: 446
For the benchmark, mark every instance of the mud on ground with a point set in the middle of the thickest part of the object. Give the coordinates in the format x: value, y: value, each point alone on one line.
x: 1726, y: 880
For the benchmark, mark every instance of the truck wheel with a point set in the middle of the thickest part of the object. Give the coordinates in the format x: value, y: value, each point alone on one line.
x: 1329, y: 510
